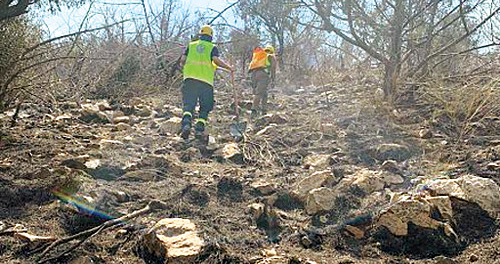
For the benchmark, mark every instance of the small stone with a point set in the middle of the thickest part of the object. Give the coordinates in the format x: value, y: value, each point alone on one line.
x: 320, y: 199
x: 425, y: 133
x: 175, y: 110
x: 356, y: 232
x: 369, y: 180
x: 406, y: 208
x: 483, y: 191
x: 121, y: 119
x: 232, y: 152
x: 121, y: 196
x: 82, y: 260
x: 390, y: 165
x: 64, y: 117
x: 103, y: 106
x: 171, y: 126
x: 91, y: 113
x: 123, y: 127
x: 262, y: 187
x: 69, y: 105
x: 390, y: 178
x: 473, y: 258
x: 92, y: 163
x: 493, y: 165
x: 212, y: 144
x: 346, y: 260
x: 269, y: 252
x: 315, y: 180
x: 256, y: 209
x: 144, y: 111
x: 118, y: 113
x: 317, y: 161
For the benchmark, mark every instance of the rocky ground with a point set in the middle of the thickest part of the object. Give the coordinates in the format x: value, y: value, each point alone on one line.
x: 329, y: 176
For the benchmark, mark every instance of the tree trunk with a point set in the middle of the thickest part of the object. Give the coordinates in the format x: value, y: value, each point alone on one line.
x: 393, y: 67
x: 428, y: 43
x: 281, y: 50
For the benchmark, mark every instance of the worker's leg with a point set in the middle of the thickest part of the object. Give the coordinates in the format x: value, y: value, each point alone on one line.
x: 260, y: 98
x: 264, y: 96
x: 255, y: 105
x: 189, y: 98
x: 256, y: 98
x: 206, y: 105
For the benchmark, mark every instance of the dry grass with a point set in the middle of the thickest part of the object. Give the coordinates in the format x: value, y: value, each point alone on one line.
x: 462, y: 110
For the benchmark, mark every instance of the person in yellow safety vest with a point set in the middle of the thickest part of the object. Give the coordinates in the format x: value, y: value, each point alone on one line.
x: 199, y: 59
x: 262, y: 71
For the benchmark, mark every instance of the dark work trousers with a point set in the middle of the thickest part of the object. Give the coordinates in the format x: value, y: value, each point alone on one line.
x: 260, y: 81
x: 194, y: 91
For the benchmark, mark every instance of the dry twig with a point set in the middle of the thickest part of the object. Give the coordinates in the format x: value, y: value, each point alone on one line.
x: 87, y: 234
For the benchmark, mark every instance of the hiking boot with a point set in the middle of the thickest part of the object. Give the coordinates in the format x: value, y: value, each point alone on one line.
x: 201, y: 136
x: 199, y: 133
x: 186, y: 126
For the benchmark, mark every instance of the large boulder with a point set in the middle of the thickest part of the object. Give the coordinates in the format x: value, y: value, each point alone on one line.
x: 357, y: 187
x: 440, y: 217
x: 483, y: 191
x: 173, y: 240
x: 417, y: 210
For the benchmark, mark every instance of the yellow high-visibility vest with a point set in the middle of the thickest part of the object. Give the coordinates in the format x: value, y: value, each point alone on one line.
x: 199, y: 62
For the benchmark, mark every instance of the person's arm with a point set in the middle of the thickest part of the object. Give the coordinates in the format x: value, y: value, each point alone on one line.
x: 183, y: 58
x: 222, y: 64
x: 182, y: 61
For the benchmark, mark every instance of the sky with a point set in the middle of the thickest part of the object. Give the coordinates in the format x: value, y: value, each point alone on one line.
x: 69, y: 20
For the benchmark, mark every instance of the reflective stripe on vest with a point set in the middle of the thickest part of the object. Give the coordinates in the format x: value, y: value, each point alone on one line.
x: 199, y: 62
x: 260, y: 59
